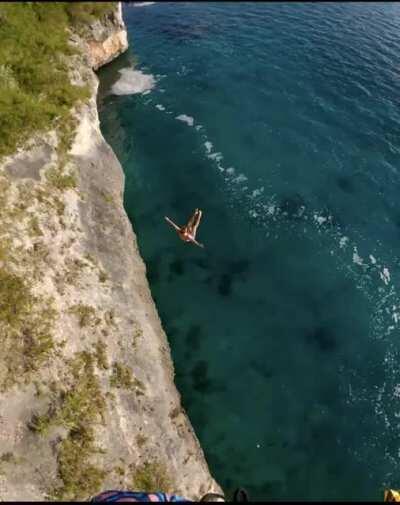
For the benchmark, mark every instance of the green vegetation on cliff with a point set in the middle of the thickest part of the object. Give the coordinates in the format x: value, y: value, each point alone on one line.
x: 35, y: 89
x: 79, y: 406
x: 26, y: 329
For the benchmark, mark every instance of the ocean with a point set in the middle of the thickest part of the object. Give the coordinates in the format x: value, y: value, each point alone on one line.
x: 281, y: 122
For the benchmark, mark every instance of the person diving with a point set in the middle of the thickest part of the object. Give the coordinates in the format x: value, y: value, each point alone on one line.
x: 188, y: 232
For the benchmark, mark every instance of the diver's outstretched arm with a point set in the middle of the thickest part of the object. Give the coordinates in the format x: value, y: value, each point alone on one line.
x: 177, y: 228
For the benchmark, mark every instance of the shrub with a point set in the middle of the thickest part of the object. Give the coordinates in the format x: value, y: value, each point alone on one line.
x: 121, y: 376
x: 78, y: 409
x: 35, y: 89
x: 152, y: 477
x: 60, y: 180
x: 85, y: 314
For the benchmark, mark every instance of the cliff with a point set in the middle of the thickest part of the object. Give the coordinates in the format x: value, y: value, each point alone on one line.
x: 87, y: 399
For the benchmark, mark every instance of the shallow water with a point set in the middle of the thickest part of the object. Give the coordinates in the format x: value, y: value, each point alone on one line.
x: 281, y: 121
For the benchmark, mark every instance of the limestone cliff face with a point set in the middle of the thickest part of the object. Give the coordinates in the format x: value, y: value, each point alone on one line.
x: 88, y: 400
x: 107, y: 40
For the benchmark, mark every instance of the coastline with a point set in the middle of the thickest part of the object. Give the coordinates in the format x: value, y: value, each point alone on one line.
x: 93, y: 275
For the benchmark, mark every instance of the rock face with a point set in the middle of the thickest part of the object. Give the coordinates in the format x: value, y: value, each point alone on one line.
x: 107, y: 39
x: 88, y: 401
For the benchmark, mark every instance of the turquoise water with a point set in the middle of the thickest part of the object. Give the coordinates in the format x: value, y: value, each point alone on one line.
x: 284, y: 329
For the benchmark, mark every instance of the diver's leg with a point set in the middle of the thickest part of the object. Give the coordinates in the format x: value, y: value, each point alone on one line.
x: 192, y: 220
x: 197, y: 221
x: 197, y: 243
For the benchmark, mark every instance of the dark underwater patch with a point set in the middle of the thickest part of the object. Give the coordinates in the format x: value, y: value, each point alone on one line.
x: 261, y: 369
x: 202, y: 263
x: 323, y: 433
x: 248, y: 140
x: 268, y: 490
x: 201, y: 382
x: 199, y: 372
x: 209, y: 280
x: 215, y: 461
x: 239, y: 267
x: 323, y: 339
x: 183, y: 32
x: 346, y: 184
x: 292, y: 205
x: 177, y: 267
x: 395, y: 217
x: 153, y: 271
x: 225, y: 285
x: 194, y: 337
x: 204, y: 85
x: 171, y: 330
x: 219, y: 438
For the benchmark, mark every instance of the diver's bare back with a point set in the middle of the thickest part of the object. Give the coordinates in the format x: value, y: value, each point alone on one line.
x: 188, y: 232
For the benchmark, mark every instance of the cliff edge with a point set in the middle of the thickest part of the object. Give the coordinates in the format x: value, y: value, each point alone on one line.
x: 87, y: 398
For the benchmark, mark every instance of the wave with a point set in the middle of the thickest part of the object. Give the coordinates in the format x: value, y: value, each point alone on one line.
x: 132, y: 82
x: 186, y: 119
x: 143, y: 4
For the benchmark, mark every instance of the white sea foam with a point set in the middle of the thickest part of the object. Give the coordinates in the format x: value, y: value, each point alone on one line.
x: 186, y: 119
x: 143, y: 4
x: 373, y: 260
x: 343, y: 241
x: 215, y: 156
x: 160, y: 107
x: 132, y: 82
x: 319, y: 219
x: 208, y: 145
x: 257, y: 192
x: 385, y: 276
x: 357, y: 258
x: 301, y: 211
x: 230, y: 170
x: 240, y: 178
x: 199, y: 127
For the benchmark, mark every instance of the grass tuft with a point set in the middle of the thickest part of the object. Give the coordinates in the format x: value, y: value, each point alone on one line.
x: 81, y: 479
x: 59, y: 180
x: 79, y: 409
x: 15, y: 299
x: 101, y: 354
x: 121, y: 376
x: 152, y: 476
x: 85, y: 313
